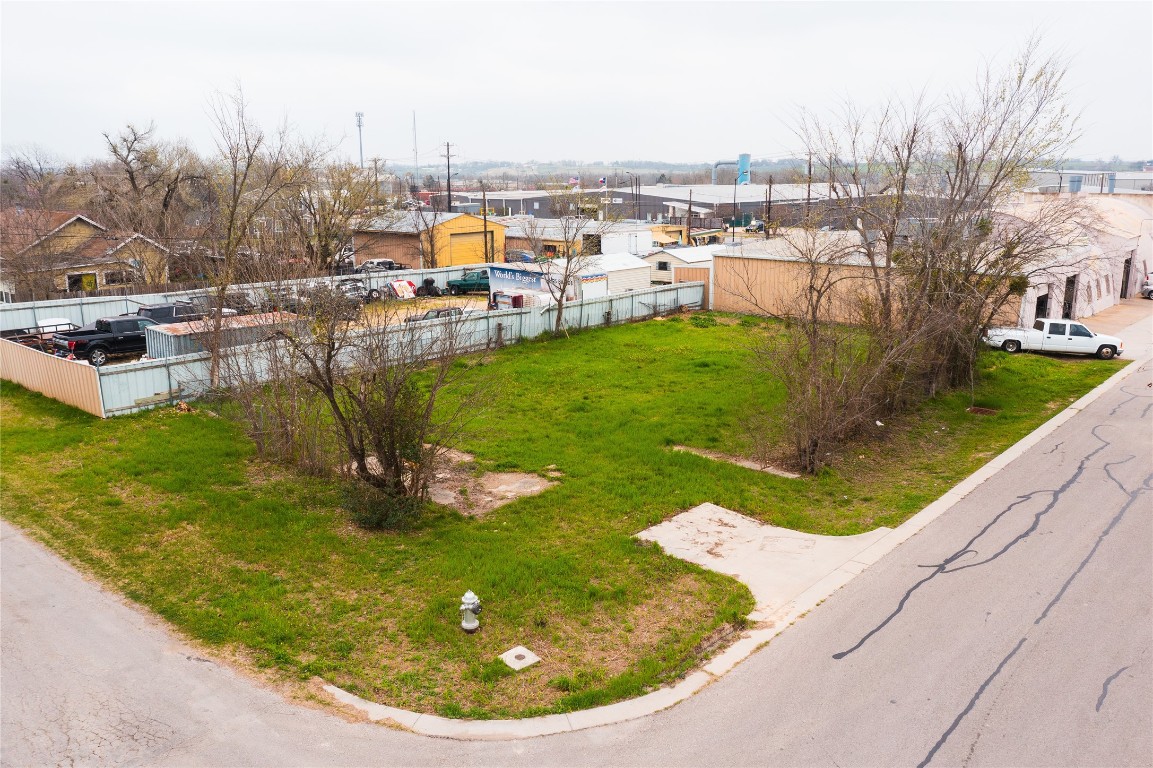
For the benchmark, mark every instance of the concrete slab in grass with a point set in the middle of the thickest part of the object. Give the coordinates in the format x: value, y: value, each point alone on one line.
x: 519, y: 657
x: 777, y: 564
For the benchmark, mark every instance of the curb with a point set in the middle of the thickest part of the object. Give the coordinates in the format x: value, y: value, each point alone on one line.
x: 749, y: 643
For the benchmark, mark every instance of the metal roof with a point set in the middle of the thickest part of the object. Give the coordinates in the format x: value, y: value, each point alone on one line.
x: 840, y: 246
x: 409, y: 222
x: 693, y: 255
x: 721, y: 194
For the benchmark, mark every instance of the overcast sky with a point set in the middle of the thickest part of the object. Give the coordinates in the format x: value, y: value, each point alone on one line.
x: 696, y: 81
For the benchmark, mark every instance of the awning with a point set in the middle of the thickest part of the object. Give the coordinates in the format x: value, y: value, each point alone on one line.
x: 676, y: 206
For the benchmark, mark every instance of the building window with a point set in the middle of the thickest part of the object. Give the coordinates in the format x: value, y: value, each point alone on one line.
x: 83, y: 281
x: 1108, y: 286
x: 1099, y: 294
x: 120, y: 277
x: 662, y: 266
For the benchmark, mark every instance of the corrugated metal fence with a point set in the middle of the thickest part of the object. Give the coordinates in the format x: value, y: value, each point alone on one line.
x: 68, y: 381
x: 119, y: 389
x: 82, y: 311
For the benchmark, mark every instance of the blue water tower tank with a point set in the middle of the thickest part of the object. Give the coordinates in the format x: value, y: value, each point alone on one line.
x: 743, y: 162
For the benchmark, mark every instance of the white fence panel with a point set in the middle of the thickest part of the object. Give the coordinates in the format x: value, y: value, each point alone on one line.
x: 136, y: 386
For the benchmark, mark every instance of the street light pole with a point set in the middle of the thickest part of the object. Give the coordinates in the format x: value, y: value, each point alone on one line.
x: 360, y: 132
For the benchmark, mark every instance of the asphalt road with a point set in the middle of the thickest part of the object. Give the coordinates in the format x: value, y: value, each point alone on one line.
x: 1014, y: 630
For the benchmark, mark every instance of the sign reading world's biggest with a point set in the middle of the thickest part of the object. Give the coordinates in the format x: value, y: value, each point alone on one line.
x: 504, y: 280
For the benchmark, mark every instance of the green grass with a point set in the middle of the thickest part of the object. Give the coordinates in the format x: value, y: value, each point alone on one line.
x: 172, y: 510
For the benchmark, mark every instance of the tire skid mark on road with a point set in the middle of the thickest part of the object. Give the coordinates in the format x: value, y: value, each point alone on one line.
x: 1146, y: 485
x: 1105, y: 685
x: 1132, y: 396
x: 969, y: 707
x: 1133, y: 495
x: 967, y: 548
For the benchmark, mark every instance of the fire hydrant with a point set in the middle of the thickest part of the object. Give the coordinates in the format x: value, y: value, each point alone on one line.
x: 469, y: 610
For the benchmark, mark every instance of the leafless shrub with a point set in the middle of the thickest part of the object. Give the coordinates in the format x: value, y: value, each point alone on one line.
x: 332, y: 396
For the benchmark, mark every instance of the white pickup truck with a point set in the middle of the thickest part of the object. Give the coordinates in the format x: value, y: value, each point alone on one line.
x: 1055, y: 336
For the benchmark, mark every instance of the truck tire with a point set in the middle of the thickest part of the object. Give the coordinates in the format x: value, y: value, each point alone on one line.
x: 1106, y: 352
x: 99, y: 356
x: 373, y: 295
x: 1012, y: 346
x: 453, y: 290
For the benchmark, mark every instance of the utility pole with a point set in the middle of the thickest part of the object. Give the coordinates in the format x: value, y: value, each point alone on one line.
x: 809, y: 187
x: 415, y: 160
x: 360, y: 131
x: 768, y: 205
x: 733, y: 221
x: 689, y: 220
x: 448, y: 163
x: 765, y: 215
x: 484, y: 212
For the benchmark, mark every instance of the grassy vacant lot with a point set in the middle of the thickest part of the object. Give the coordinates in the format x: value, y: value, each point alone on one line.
x: 171, y: 510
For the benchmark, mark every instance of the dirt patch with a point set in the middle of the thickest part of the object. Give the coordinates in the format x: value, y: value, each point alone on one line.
x: 458, y: 485
x: 982, y: 411
x: 740, y: 462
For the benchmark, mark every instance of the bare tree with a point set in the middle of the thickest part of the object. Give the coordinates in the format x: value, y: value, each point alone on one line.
x: 320, y: 212
x: 429, y: 242
x: 576, y: 238
x: 943, y: 247
x: 37, y: 189
x: 928, y: 188
x: 368, y: 403
x: 250, y: 171
x: 146, y: 187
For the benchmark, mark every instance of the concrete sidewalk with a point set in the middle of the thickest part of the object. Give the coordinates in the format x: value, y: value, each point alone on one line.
x: 1132, y: 322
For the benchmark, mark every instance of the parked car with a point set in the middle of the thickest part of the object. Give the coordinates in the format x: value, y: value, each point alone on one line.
x: 436, y: 314
x: 380, y: 265
x: 1147, y: 287
x: 322, y: 299
x: 177, y: 312
x: 281, y: 298
x: 755, y: 226
x: 1055, y: 336
x: 469, y: 282
x: 354, y: 288
x: 519, y: 257
x: 106, y: 338
x: 234, y: 303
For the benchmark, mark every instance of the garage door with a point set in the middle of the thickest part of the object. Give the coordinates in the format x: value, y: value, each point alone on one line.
x: 467, y: 248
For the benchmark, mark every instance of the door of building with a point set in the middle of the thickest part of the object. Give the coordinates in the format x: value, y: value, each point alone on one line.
x: 1070, y: 297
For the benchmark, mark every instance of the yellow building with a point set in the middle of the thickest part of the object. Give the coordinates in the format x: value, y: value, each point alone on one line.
x: 425, y: 239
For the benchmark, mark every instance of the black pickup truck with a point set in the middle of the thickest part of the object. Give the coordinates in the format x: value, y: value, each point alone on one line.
x: 107, y: 337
